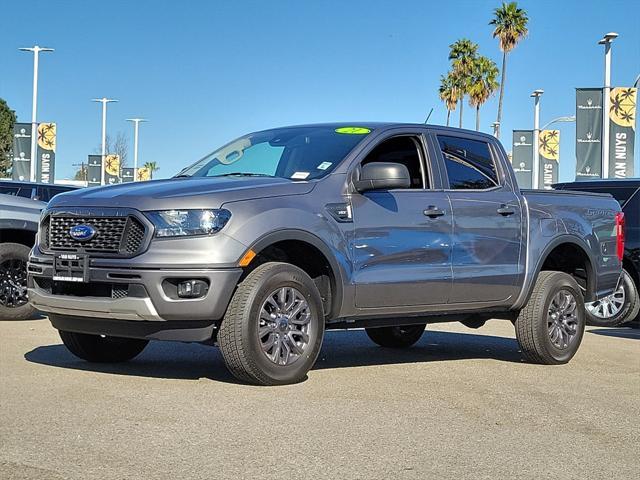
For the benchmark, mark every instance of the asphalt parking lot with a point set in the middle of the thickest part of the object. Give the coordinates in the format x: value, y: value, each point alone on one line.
x: 460, y: 404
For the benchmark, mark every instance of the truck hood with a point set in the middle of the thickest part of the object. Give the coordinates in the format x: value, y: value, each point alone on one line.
x: 181, y: 193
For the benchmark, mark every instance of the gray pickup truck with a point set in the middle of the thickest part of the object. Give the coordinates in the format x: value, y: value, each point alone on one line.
x: 281, y: 234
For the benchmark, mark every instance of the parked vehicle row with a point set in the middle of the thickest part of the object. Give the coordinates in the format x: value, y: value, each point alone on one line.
x: 281, y: 234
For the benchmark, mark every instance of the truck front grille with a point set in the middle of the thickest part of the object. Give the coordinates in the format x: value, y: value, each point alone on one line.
x: 120, y: 236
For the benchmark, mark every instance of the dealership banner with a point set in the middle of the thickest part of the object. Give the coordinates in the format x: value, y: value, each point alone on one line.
x: 522, y: 157
x: 128, y: 174
x: 588, y: 133
x: 93, y: 170
x: 21, y: 152
x: 143, y: 174
x: 112, y: 169
x: 622, y: 125
x: 46, y: 153
x: 549, y: 156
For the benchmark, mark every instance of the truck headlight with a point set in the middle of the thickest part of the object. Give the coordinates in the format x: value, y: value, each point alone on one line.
x: 179, y: 223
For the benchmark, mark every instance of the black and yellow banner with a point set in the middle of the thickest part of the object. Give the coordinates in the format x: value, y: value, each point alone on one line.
x: 112, y: 169
x: 21, y: 152
x: 588, y: 133
x: 128, y: 174
x: 549, y: 155
x: 622, y: 124
x: 522, y: 157
x: 46, y: 156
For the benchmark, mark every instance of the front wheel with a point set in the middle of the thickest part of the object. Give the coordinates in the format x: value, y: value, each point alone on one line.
x: 272, y: 331
x: 396, y: 337
x: 101, y: 348
x: 14, y: 304
x: 550, y: 327
x: 615, y: 309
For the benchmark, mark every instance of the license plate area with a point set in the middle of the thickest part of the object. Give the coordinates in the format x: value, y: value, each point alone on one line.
x: 71, y: 267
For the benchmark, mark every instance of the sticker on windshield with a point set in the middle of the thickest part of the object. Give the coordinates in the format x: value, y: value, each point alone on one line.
x: 353, y: 130
x: 300, y: 175
x: 324, y: 165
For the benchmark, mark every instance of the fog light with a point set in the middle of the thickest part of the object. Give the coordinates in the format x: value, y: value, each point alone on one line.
x: 192, y: 289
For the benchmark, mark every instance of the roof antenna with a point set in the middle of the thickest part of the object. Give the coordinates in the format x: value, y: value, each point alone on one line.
x: 428, y: 116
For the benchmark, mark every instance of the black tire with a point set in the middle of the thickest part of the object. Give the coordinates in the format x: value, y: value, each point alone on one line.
x: 532, y: 325
x: 396, y: 337
x: 13, y: 282
x: 99, y: 349
x: 240, y: 342
x: 627, y: 313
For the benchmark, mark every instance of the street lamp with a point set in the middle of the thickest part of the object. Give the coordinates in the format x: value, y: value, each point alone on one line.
x: 34, y: 105
x: 536, y: 94
x: 136, y: 123
x: 104, y: 102
x: 606, y: 41
x: 568, y: 118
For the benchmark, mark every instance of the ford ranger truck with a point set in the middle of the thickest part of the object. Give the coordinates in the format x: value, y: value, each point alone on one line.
x: 262, y: 245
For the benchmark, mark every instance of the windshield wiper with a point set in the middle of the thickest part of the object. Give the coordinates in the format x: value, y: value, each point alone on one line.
x: 242, y: 174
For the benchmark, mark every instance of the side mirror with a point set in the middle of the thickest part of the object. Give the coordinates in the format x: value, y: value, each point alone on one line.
x: 382, y: 176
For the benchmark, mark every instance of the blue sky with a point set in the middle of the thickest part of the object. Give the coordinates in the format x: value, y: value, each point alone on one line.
x: 205, y: 72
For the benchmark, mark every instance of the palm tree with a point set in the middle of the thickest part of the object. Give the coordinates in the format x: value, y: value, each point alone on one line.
x: 152, y: 167
x: 462, y: 54
x: 510, y: 26
x: 483, y: 84
x: 448, y: 92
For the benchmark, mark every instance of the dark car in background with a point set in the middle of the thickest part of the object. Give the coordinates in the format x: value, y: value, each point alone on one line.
x: 35, y: 191
x: 624, y: 305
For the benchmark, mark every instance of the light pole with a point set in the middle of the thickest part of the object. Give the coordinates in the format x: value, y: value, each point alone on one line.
x: 536, y: 134
x: 34, y: 105
x: 496, y: 128
x: 136, y: 124
x: 568, y: 118
x: 606, y: 41
x: 104, y: 102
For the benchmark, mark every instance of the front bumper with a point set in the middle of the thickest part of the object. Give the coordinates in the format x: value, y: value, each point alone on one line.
x: 144, y: 296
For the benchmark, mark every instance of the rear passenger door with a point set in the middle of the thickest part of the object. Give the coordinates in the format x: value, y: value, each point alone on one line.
x: 487, y: 220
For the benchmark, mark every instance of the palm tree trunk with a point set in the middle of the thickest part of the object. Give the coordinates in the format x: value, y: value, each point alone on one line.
x: 461, y: 105
x: 478, y: 118
x: 502, y: 78
x: 448, y: 116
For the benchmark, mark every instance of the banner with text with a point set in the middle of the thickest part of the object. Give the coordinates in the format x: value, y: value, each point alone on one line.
x: 46, y: 153
x: 21, y: 152
x: 128, y: 174
x: 93, y: 170
x: 622, y: 125
x: 549, y: 157
x: 588, y: 133
x: 522, y: 157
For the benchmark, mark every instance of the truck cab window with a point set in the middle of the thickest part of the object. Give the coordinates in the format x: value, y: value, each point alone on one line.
x: 404, y: 150
x: 469, y: 163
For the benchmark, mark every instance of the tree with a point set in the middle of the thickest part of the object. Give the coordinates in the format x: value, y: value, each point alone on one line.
x: 483, y: 83
x: 7, y: 121
x: 462, y: 54
x: 152, y: 167
x: 118, y: 145
x: 510, y: 26
x: 448, y: 93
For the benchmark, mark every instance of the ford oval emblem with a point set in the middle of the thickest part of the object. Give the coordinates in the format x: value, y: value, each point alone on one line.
x: 82, y: 233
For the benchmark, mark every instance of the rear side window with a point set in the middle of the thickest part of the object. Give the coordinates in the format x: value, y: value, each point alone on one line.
x: 469, y: 163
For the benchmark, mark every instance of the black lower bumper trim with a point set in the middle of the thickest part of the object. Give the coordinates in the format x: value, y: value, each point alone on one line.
x: 176, y: 330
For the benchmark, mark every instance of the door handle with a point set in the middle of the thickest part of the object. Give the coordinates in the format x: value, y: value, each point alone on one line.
x: 432, y: 212
x: 505, y: 210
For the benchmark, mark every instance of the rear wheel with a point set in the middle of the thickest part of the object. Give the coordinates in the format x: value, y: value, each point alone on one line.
x: 550, y: 327
x: 14, y: 304
x: 102, y: 349
x: 396, y: 337
x: 615, y: 309
x: 272, y: 331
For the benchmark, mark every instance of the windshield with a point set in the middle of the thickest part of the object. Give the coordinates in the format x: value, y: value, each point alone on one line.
x: 298, y: 153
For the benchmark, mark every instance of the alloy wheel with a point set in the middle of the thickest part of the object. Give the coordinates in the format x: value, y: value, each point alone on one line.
x: 13, y: 283
x: 562, y: 319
